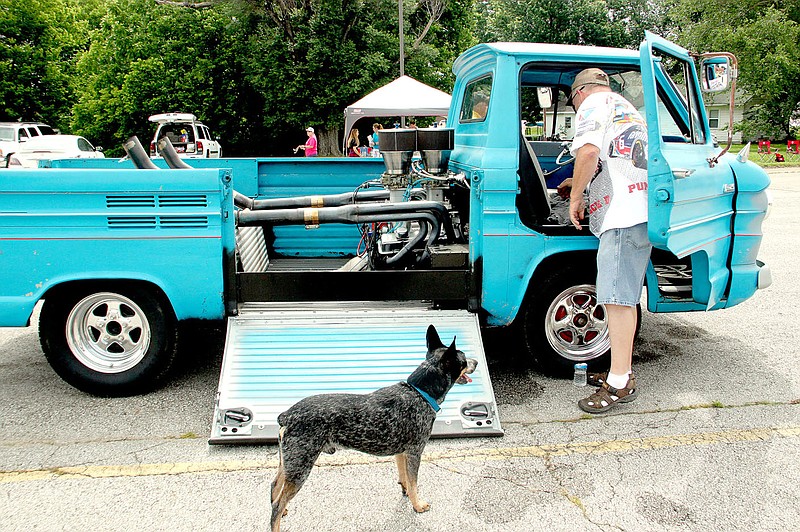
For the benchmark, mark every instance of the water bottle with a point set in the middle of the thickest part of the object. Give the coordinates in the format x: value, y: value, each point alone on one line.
x: 579, y: 379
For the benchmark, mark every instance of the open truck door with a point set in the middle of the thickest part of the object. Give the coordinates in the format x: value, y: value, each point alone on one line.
x: 691, y: 206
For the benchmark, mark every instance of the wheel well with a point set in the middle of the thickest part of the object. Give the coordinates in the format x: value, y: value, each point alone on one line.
x: 559, y: 261
x: 110, y: 285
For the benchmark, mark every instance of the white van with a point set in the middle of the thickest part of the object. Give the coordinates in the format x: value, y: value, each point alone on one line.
x: 191, y: 138
x: 14, y: 134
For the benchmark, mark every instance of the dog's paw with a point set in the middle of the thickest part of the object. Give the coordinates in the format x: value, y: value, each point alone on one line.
x: 421, y: 507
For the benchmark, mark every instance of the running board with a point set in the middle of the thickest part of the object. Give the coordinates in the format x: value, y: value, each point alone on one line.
x: 279, y: 353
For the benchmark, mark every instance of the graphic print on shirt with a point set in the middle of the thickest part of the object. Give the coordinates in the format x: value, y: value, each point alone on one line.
x: 618, y: 193
x: 632, y: 144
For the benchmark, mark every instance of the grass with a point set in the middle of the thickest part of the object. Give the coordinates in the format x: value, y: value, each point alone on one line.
x: 770, y: 161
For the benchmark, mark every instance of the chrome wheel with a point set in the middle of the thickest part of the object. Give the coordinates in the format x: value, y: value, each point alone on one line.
x: 108, y: 332
x: 576, y: 326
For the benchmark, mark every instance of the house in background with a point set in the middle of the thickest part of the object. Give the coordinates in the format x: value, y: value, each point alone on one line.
x: 719, y: 115
x: 716, y: 109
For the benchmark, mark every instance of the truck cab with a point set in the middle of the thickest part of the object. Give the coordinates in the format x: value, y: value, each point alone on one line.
x: 705, y: 211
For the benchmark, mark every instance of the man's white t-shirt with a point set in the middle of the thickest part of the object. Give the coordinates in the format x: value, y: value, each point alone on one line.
x: 618, y: 194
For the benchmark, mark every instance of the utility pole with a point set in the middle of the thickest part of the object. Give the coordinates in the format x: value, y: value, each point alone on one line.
x: 402, y: 43
x: 402, y: 52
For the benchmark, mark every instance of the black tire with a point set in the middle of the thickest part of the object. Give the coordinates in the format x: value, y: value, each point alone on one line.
x: 109, y: 342
x: 564, y: 325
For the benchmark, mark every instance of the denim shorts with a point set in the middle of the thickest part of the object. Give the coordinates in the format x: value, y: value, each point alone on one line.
x: 621, y: 263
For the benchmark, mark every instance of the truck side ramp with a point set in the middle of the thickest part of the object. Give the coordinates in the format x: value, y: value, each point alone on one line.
x: 279, y: 353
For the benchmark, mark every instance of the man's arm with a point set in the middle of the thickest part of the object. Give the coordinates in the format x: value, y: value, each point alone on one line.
x: 586, y: 160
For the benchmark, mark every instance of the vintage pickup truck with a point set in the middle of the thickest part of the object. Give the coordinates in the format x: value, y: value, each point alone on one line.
x: 329, y: 270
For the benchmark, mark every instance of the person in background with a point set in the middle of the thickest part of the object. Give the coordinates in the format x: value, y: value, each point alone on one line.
x: 373, y: 139
x: 617, y: 216
x: 310, y: 147
x: 480, y: 104
x: 352, y: 144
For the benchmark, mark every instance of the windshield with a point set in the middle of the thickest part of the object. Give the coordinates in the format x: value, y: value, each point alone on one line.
x: 557, y: 122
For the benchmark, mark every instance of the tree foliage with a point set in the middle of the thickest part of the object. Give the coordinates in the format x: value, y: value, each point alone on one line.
x: 259, y: 72
x: 39, y: 40
x: 146, y: 59
x: 764, y: 35
x: 618, y: 23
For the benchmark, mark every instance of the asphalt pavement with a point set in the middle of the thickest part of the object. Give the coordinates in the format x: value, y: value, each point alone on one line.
x: 712, y: 443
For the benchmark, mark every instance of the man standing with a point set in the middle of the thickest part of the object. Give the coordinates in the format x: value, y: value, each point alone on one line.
x: 310, y: 147
x: 610, y: 149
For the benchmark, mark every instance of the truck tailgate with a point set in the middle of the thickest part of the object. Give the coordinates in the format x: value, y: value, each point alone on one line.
x: 279, y: 353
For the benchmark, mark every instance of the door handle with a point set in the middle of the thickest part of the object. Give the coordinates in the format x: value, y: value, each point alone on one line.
x: 682, y: 173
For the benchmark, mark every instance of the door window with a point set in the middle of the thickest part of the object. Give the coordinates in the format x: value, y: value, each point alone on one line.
x: 679, y: 103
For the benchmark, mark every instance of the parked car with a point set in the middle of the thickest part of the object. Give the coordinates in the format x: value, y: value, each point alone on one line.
x: 14, y: 134
x: 190, y: 137
x: 54, y: 147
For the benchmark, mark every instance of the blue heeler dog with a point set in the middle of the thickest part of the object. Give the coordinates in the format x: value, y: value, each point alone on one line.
x: 396, y: 420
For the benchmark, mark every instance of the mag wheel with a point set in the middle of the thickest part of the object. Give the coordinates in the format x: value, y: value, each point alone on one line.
x: 565, y: 325
x: 111, y: 343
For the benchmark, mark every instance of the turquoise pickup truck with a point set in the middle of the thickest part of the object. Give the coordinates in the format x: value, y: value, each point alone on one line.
x: 328, y: 270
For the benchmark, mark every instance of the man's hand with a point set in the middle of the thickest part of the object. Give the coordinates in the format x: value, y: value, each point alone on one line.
x: 586, y: 160
x: 577, y: 208
x: 564, y: 188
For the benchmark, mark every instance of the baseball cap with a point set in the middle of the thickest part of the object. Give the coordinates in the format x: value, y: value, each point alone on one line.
x: 311, y: 129
x: 590, y: 76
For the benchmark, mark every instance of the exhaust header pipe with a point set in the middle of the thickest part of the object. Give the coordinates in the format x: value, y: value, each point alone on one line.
x: 136, y: 152
x: 171, y: 157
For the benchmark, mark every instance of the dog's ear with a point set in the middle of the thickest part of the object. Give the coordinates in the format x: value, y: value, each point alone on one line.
x: 451, y: 350
x: 432, y: 339
x: 452, y: 360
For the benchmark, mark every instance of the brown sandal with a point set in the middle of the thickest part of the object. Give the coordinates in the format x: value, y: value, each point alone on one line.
x: 596, y: 379
x: 607, y: 396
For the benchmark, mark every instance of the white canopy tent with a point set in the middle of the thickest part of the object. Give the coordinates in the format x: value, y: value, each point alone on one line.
x: 404, y: 96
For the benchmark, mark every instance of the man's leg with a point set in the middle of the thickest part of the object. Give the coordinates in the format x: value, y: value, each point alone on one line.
x: 619, y: 385
x: 621, y: 330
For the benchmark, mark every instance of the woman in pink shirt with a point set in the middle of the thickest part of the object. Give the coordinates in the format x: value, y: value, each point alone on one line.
x: 309, y: 147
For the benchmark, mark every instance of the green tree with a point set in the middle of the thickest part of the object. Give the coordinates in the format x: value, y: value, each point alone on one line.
x: 39, y: 40
x: 619, y: 23
x: 764, y: 35
x: 146, y: 59
x: 311, y: 59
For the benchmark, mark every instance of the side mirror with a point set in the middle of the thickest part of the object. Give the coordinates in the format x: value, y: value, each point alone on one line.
x: 98, y: 148
x: 716, y: 73
x: 545, y: 97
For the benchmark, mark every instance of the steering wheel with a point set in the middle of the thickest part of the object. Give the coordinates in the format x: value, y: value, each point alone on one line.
x: 565, y: 148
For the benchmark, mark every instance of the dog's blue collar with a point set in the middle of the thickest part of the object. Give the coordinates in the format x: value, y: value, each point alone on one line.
x: 431, y: 400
